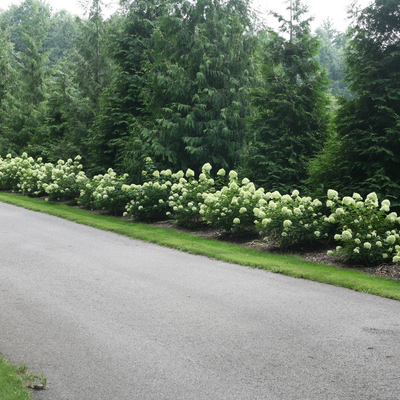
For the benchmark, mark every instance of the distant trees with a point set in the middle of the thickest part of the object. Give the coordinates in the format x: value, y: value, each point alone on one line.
x: 291, y: 118
x: 331, y: 56
x: 364, y: 156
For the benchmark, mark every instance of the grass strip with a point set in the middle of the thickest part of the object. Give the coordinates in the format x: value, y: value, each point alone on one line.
x: 12, y: 382
x: 285, y: 264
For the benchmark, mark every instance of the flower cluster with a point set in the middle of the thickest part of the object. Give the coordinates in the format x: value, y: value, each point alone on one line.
x: 231, y: 208
x: 368, y: 231
x: 289, y: 219
x: 34, y: 177
x: 107, y: 192
x: 14, y: 173
x: 63, y: 179
x: 149, y: 201
x: 187, y: 196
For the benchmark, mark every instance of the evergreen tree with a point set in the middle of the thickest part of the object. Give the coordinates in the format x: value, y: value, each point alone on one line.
x: 76, y: 86
x: 364, y: 156
x: 196, y: 71
x: 23, y: 106
x: 129, y: 39
x: 291, y: 118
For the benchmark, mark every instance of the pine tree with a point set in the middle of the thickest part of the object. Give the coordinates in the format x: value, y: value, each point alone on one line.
x: 291, y: 117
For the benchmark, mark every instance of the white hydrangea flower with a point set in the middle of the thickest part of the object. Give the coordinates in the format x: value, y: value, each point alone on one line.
x: 385, y: 208
x: 295, y: 193
x: 332, y: 194
x: 356, y: 250
x: 329, y: 203
x: 286, y: 211
x: 232, y: 174
x: 367, y: 245
x: 236, y: 221
x: 189, y: 173
x: 373, y: 198
x: 276, y: 195
x: 206, y: 167
x: 331, y: 219
x: 297, y: 211
x: 347, y: 235
x: 391, y: 239
x: 221, y: 172
x: 287, y: 223
x: 340, y: 211
x: 348, y: 201
x: 392, y: 217
x: 316, y: 203
x: 233, y: 185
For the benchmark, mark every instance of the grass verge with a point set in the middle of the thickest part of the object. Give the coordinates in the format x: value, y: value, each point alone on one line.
x: 285, y: 264
x: 14, y: 381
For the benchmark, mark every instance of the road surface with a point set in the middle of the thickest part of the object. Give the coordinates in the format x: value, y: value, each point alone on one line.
x: 107, y: 317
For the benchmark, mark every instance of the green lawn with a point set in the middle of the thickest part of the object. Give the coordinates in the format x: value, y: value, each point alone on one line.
x: 285, y: 264
x: 13, y: 382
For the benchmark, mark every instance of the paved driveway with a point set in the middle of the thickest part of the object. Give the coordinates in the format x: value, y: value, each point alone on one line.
x: 107, y: 317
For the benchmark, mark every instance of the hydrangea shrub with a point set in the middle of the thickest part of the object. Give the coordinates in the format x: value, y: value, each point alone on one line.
x: 187, y: 196
x: 285, y: 220
x: 368, y: 231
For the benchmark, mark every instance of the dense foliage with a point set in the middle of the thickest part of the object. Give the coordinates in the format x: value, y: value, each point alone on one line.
x: 364, y: 155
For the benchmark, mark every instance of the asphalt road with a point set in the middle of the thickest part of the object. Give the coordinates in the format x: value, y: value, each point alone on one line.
x: 107, y: 317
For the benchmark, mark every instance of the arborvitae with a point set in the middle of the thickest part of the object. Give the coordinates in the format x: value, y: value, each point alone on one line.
x: 23, y: 105
x: 194, y: 75
x: 129, y: 39
x: 291, y: 118
x: 364, y: 156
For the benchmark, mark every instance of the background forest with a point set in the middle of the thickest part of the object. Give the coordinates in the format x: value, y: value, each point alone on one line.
x: 194, y: 82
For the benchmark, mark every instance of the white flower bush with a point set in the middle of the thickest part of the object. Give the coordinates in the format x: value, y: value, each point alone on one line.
x: 186, y: 196
x: 285, y: 220
x: 34, y: 177
x: 13, y: 170
x: 368, y: 232
x: 64, y: 185
x: 150, y: 200
x: 107, y: 192
x: 231, y: 208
